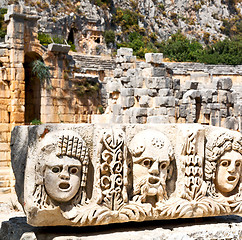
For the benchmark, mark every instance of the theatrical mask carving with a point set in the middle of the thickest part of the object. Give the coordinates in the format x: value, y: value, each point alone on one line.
x: 228, y: 171
x: 152, y: 155
x: 223, y: 164
x: 63, y: 165
x: 62, y: 177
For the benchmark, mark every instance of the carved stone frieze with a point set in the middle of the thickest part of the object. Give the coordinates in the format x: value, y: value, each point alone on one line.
x: 97, y: 174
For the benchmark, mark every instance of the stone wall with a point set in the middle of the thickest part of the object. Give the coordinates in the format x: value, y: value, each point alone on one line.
x: 23, y: 98
x: 151, y: 92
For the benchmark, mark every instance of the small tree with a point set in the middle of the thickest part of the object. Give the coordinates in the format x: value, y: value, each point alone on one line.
x: 41, y: 71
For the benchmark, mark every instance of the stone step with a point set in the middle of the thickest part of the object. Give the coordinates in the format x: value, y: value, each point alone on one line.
x: 94, y: 61
x: 5, y: 190
x: 83, y: 61
x: 5, y: 173
x: 5, y: 178
x: 4, y: 184
x: 5, y: 164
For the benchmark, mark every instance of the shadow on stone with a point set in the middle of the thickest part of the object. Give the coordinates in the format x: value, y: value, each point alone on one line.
x: 17, y: 228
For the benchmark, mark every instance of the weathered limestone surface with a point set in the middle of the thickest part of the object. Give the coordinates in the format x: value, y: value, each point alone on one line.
x: 86, y: 174
x: 54, y: 47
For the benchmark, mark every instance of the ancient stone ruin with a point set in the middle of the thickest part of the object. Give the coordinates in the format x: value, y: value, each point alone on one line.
x: 95, y: 174
x: 126, y: 90
x: 120, y: 139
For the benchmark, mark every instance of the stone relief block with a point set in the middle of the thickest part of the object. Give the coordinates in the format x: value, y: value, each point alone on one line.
x: 86, y: 174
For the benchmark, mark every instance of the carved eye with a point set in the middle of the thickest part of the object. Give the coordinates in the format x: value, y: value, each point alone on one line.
x: 225, y: 163
x: 147, y: 163
x: 163, y: 165
x: 73, y: 170
x: 237, y: 164
x: 55, y: 170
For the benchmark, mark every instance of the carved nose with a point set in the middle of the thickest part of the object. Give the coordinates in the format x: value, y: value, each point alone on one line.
x: 231, y: 168
x: 154, y: 170
x: 64, y: 175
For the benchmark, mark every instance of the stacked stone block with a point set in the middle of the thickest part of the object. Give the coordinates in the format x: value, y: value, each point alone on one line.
x: 141, y: 92
x: 147, y: 92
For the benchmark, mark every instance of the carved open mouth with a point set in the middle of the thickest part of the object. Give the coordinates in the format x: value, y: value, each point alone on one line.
x: 155, y: 181
x: 64, y: 186
x: 231, y: 178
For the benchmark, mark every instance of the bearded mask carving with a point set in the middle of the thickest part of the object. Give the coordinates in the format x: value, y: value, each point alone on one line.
x: 152, y: 154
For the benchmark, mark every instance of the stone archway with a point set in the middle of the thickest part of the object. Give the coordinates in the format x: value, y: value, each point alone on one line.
x: 32, y: 89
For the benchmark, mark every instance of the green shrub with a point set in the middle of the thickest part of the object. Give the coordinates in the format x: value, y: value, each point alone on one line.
x: 3, y: 27
x: 161, y: 6
x: 73, y: 47
x: 136, y: 42
x: 86, y: 87
x: 109, y: 36
x: 196, y: 7
x: 35, y: 122
x: 179, y: 48
x: 232, y: 27
x: 3, y: 11
x: 44, y: 39
x: 224, y: 52
x: 101, y: 109
x: 173, y: 15
x: 139, y: 44
x: 134, y: 4
x: 3, y: 33
x: 206, y: 37
x: 153, y: 36
x: 58, y: 40
x: 103, y: 3
x: 125, y: 18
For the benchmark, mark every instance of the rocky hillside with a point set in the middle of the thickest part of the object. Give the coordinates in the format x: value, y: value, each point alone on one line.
x: 205, y: 20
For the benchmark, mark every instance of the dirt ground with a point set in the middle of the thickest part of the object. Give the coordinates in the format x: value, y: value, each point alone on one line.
x: 9, y: 207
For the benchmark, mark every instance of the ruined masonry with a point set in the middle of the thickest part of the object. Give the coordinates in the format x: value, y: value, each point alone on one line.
x: 130, y: 91
x: 159, y: 92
